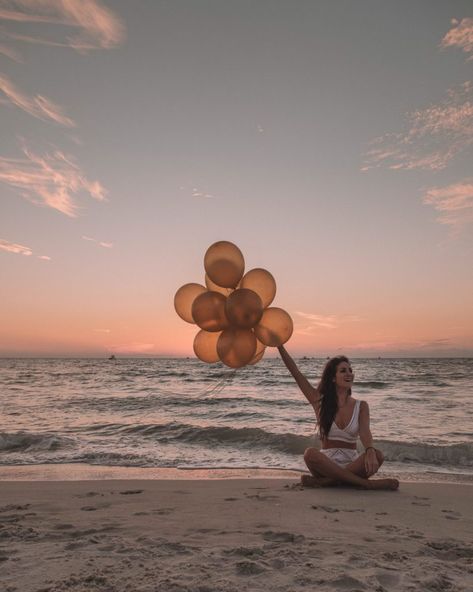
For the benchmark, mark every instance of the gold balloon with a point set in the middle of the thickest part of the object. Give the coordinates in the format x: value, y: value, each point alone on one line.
x: 262, y: 282
x: 215, y: 288
x: 236, y: 347
x: 244, y: 308
x: 224, y: 264
x: 208, y: 311
x: 205, y: 346
x: 260, y: 349
x: 184, y: 298
x: 275, y: 327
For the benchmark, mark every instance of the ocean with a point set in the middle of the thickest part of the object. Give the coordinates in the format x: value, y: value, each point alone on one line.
x: 183, y: 413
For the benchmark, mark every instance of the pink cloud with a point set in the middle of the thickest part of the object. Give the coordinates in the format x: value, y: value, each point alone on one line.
x: 460, y: 35
x: 52, y: 180
x: 434, y: 135
x: 10, y: 247
x: 454, y: 202
x: 98, y: 27
x: 200, y: 193
x: 103, y: 244
x: 37, y: 106
x: 14, y: 248
x: 317, y: 321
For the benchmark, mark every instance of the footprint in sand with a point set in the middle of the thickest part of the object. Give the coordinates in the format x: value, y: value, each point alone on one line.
x: 249, y: 568
x: 244, y: 551
x: 262, y: 498
x: 97, y: 507
x: 325, y: 509
x: 452, y: 515
x: 205, y: 530
x: 282, y: 537
x: 90, y: 494
x: 11, y: 507
x: 230, y: 499
x: 388, y: 528
x: 171, y: 548
x: 131, y: 491
x: 388, y: 579
x: 331, y: 510
x: 347, y: 583
x: 163, y: 511
x: 448, y: 550
x: 395, y: 557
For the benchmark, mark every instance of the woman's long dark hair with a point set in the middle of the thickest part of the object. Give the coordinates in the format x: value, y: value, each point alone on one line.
x: 328, y: 405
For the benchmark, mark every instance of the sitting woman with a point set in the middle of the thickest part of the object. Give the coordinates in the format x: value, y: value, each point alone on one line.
x: 341, y: 419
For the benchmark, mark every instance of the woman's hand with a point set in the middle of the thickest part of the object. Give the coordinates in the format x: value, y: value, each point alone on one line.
x: 371, y: 462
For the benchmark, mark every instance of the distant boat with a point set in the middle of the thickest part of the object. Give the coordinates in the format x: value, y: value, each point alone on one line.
x: 112, y: 357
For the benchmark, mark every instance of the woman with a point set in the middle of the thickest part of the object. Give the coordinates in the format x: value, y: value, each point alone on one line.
x: 341, y: 420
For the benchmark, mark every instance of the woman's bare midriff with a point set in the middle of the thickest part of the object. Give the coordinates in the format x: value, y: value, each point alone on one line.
x: 327, y: 443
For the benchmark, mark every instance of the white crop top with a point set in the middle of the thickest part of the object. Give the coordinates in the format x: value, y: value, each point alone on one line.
x: 350, y: 433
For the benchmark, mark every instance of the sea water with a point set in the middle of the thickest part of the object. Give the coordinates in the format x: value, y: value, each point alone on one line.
x: 183, y: 413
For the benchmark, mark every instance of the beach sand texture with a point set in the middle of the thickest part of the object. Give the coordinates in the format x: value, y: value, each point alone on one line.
x: 233, y: 535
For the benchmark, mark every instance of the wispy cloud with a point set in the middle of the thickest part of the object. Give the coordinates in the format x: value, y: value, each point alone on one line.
x: 52, y: 180
x: 37, y: 106
x: 312, y: 322
x: 454, y: 202
x: 460, y: 35
x: 100, y: 243
x: 97, y: 27
x: 10, y: 53
x: 17, y: 249
x: 196, y: 192
x: 434, y: 135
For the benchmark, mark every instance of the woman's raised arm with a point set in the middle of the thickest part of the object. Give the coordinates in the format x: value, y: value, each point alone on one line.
x: 311, y: 394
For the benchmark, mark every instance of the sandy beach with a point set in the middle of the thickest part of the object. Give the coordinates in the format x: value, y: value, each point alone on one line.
x: 232, y: 534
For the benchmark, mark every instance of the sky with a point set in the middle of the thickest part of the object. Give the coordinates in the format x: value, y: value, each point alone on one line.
x: 332, y: 141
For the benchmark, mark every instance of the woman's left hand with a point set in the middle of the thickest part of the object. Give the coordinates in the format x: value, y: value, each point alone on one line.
x: 371, y: 462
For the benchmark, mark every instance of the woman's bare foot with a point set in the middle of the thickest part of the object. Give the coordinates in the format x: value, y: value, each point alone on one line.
x: 391, y: 484
x: 311, y: 481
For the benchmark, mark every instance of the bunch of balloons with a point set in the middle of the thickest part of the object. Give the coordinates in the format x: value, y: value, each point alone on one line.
x: 232, y: 310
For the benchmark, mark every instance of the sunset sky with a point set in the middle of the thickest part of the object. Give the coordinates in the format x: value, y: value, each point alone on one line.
x: 332, y: 141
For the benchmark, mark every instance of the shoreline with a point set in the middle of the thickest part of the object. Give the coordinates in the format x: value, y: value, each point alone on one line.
x: 232, y: 535
x: 89, y: 472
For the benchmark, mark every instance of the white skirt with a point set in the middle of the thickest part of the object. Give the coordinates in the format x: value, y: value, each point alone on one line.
x: 340, y: 456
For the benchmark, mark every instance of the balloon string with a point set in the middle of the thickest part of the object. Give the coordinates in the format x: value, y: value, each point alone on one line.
x: 212, y: 389
x: 221, y: 384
